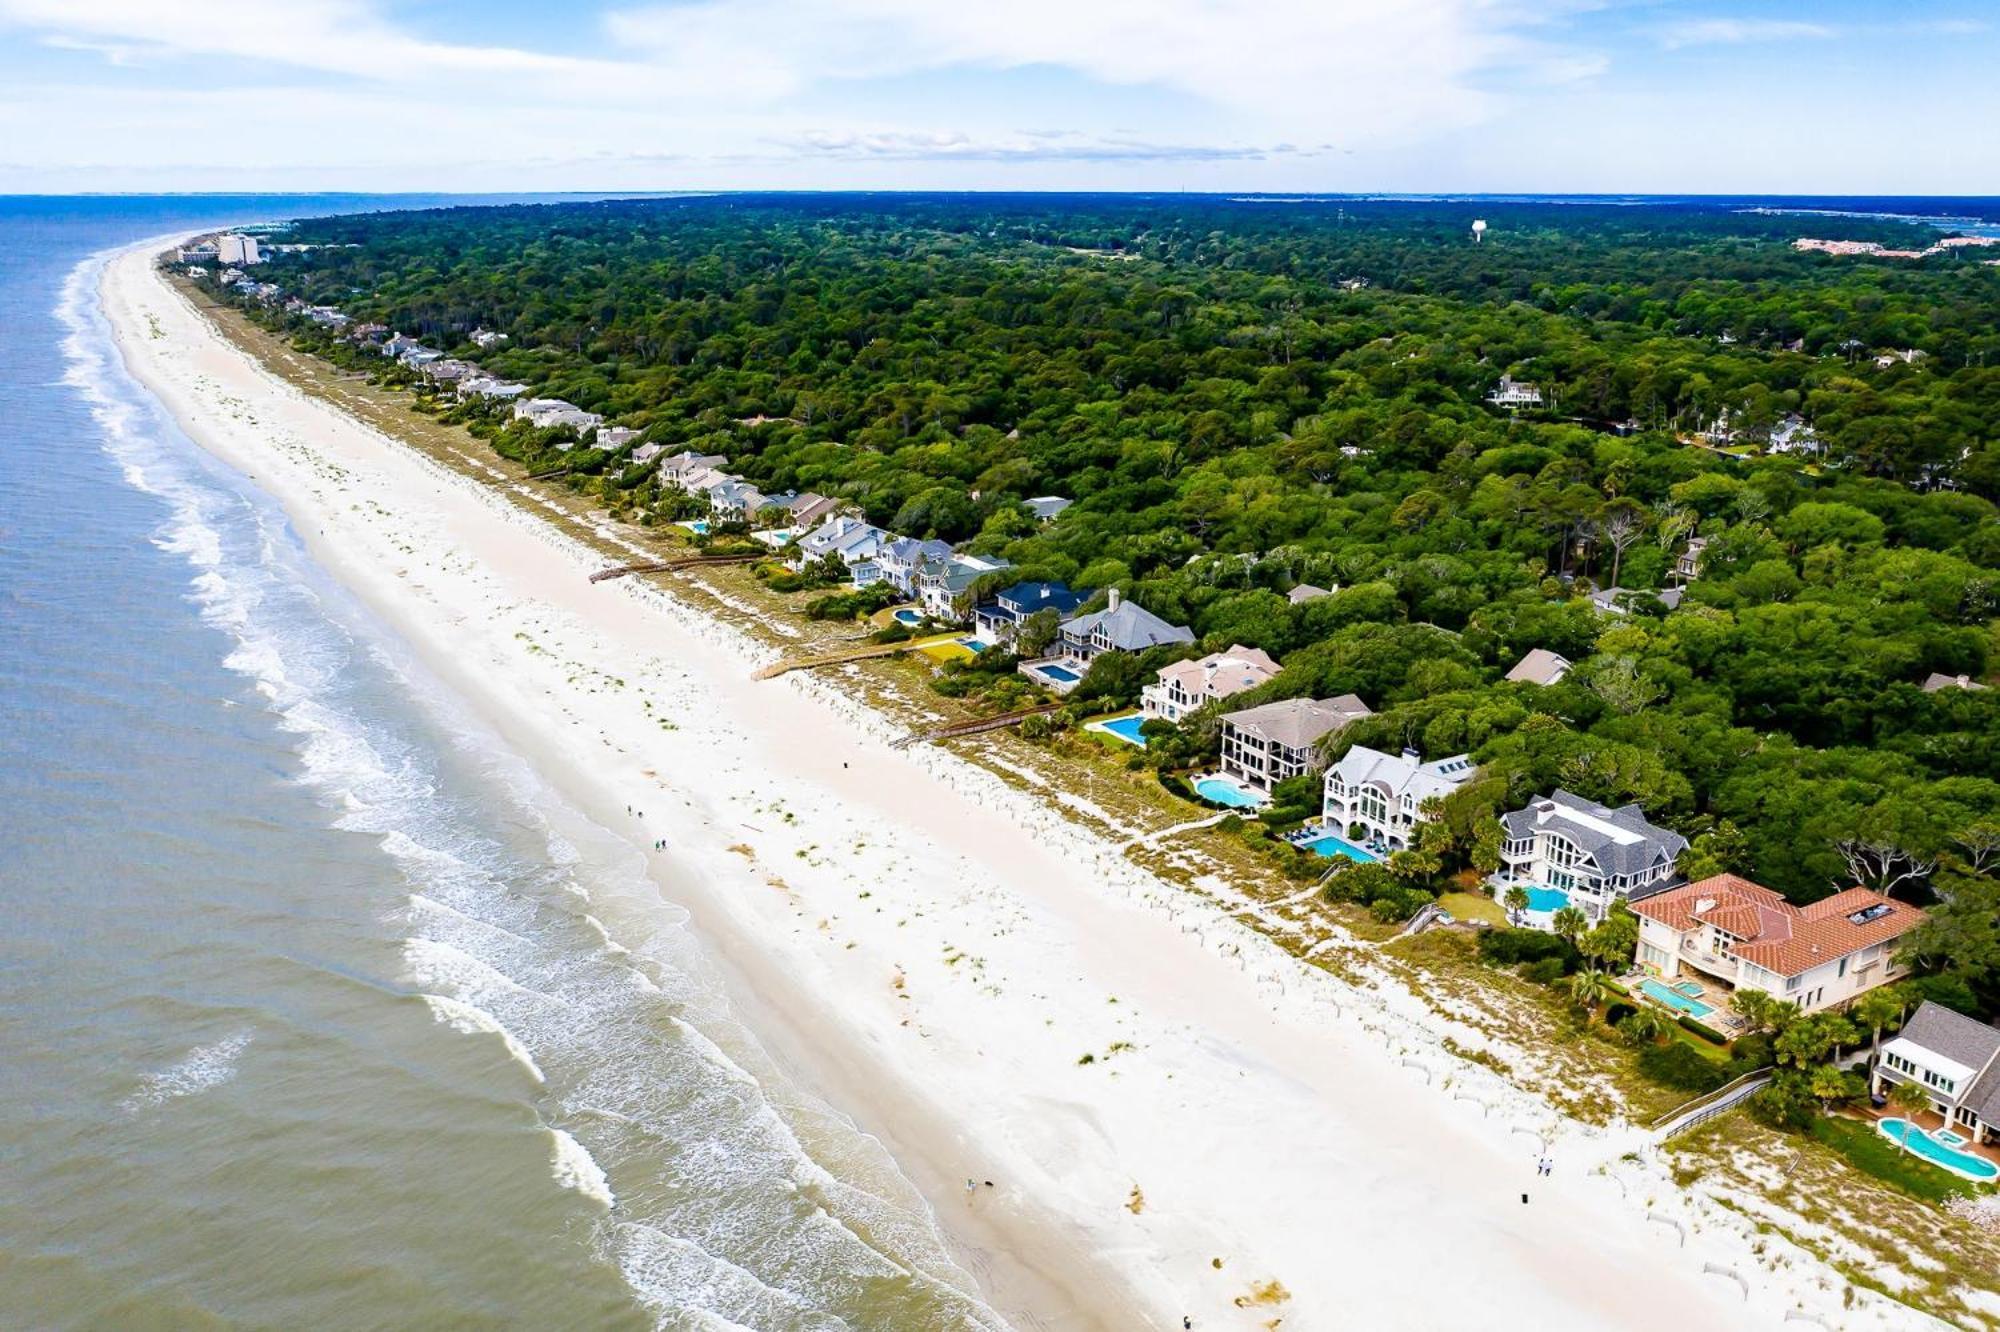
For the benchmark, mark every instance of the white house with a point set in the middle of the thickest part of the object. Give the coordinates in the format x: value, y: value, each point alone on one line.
x: 1265, y: 745
x: 1954, y: 1058
x: 1046, y: 507
x: 1688, y: 567
x: 1793, y: 435
x: 1748, y: 937
x: 944, y: 585
x: 852, y: 541
x: 486, y: 338
x: 903, y: 557
x: 1514, y: 394
x: 1592, y: 853
x: 1384, y: 794
x: 1182, y: 686
x: 548, y: 413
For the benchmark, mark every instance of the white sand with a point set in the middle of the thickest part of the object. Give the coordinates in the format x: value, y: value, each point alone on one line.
x: 943, y: 948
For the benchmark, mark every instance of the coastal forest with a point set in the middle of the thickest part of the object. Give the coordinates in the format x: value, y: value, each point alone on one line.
x: 1242, y: 396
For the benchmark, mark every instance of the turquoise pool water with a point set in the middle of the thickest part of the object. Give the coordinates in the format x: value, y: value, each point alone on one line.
x: 1547, y: 899
x: 1060, y: 674
x: 1330, y: 846
x: 908, y: 616
x: 1909, y: 1136
x: 1661, y: 994
x: 1126, y: 729
x: 1226, y: 791
x: 972, y: 645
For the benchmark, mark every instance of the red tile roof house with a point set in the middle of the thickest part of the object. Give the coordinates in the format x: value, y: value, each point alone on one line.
x: 1748, y: 937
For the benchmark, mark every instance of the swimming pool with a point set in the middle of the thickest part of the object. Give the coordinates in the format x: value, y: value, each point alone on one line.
x: 909, y: 617
x: 1228, y: 791
x: 1329, y: 846
x: 1060, y: 674
x: 1125, y: 728
x: 1547, y: 899
x: 972, y: 645
x: 1908, y: 1136
x: 698, y: 526
x: 1661, y: 994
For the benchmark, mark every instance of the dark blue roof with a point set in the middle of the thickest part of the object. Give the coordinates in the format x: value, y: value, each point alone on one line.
x: 1027, y: 598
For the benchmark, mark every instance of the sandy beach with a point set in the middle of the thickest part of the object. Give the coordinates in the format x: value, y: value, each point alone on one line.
x: 935, y: 953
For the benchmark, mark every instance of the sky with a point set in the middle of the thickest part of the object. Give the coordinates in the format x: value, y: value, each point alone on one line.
x: 1667, y: 96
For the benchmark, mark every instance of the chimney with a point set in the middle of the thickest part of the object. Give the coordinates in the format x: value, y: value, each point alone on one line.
x: 1115, y: 599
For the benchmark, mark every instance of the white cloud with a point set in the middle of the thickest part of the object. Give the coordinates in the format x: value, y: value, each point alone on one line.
x: 1737, y: 32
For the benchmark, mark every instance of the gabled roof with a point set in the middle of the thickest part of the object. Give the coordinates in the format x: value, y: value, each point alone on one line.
x: 1961, y: 1039
x: 1541, y: 667
x: 1405, y: 773
x: 1220, y: 674
x: 1620, y: 840
x: 1937, y: 680
x: 1297, y: 722
x: 1027, y: 598
x: 1305, y: 592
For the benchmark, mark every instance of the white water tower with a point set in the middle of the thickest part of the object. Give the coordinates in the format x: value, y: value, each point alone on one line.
x: 1478, y: 230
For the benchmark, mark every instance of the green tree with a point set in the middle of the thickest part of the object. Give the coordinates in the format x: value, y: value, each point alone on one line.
x: 1569, y: 923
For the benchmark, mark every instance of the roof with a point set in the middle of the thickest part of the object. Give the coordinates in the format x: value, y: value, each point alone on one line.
x: 1220, y: 674
x: 1128, y: 626
x: 1297, y: 722
x: 1620, y: 840
x: 1405, y: 773
x: 1305, y: 592
x: 1939, y: 680
x: 1029, y: 597
x: 1775, y: 935
x: 1541, y: 667
x: 1963, y: 1041
x: 1046, y: 507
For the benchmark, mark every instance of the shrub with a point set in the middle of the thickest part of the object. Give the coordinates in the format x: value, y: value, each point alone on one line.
x: 1510, y: 947
x: 1680, y: 1066
x: 1708, y: 1034
x: 1547, y: 971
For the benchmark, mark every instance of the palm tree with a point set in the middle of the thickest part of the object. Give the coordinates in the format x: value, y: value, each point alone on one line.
x: 1912, y: 1101
x: 1516, y: 899
x: 1646, y: 1024
x: 1877, y: 1010
x: 1569, y: 922
x: 1831, y: 1083
x: 1590, y: 989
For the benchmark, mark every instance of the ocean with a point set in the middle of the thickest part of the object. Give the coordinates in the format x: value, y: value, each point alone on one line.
x: 317, y: 1008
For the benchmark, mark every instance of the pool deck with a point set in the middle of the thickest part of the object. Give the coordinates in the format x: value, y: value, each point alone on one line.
x: 1714, y: 995
x: 1929, y: 1121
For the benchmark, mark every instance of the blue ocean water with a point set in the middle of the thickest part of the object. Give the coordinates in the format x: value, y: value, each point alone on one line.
x: 317, y: 1009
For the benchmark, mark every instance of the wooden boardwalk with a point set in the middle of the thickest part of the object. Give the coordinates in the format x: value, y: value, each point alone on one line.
x: 862, y: 651
x: 976, y: 726
x: 670, y: 565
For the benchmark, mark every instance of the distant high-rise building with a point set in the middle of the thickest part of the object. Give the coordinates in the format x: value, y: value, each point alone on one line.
x: 236, y: 248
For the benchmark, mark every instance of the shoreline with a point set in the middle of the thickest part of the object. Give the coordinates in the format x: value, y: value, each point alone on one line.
x: 1274, y: 1133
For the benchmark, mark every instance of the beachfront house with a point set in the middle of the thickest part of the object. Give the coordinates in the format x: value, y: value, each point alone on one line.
x: 904, y: 557
x: 804, y: 510
x: 945, y: 585
x: 996, y: 621
x: 1744, y: 935
x: 551, y: 413
x: 1540, y: 667
x: 1513, y: 394
x: 1378, y: 799
x: 493, y: 390
x: 1122, y: 626
x: 612, y: 438
x: 852, y: 541
x: 1182, y: 686
x: 1267, y: 744
x: 1589, y: 854
x: 1956, y: 1059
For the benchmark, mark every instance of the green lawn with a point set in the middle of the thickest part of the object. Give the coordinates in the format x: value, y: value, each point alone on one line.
x: 1473, y: 906
x: 1867, y: 1150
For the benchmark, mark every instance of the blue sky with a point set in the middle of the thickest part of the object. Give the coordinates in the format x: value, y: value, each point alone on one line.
x: 1837, y: 96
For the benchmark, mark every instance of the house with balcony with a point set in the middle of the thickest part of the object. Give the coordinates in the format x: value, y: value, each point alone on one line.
x: 1182, y: 686
x: 1265, y: 745
x: 852, y: 541
x: 1747, y: 937
x: 550, y: 413
x: 944, y: 585
x: 1378, y: 799
x: 1957, y: 1060
x: 1590, y: 854
x: 1513, y: 394
x: 904, y: 557
x: 1687, y: 567
x: 1122, y: 626
x: 997, y: 621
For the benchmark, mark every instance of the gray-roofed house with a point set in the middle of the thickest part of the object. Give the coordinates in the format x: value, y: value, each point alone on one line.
x: 944, y: 585
x: 1122, y: 626
x: 612, y: 438
x: 902, y: 558
x: 1383, y: 795
x: 1592, y: 852
x: 1264, y: 745
x: 1939, y: 680
x: 1305, y: 592
x: 1954, y: 1058
x: 1047, y: 507
x: 1618, y: 600
x: 1540, y: 667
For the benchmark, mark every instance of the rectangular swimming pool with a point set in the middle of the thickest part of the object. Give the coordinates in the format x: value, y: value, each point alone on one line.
x: 1661, y: 994
x: 1060, y: 674
x: 1329, y: 846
